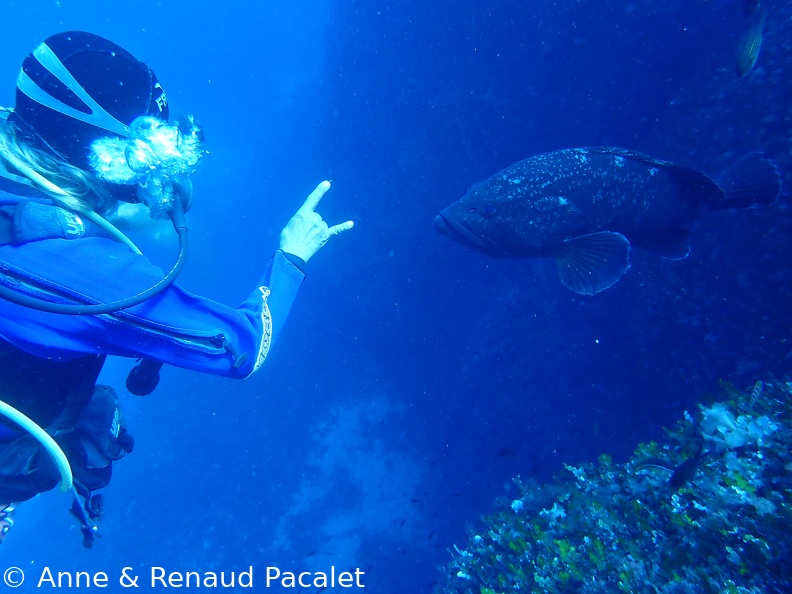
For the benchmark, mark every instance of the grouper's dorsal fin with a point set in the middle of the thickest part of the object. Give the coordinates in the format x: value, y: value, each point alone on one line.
x: 591, y: 263
x: 628, y: 154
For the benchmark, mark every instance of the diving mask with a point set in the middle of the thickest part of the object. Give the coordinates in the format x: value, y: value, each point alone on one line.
x: 157, y: 156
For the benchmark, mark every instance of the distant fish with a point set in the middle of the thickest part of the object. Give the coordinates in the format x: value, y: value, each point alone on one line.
x: 685, y: 472
x: 586, y: 207
x: 756, y: 393
x: 750, y: 45
x: 680, y: 475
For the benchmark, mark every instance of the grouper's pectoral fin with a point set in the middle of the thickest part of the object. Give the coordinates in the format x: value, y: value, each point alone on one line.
x: 592, y: 263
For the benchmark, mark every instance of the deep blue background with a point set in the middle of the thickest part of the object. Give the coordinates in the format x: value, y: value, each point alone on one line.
x: 415, y: 378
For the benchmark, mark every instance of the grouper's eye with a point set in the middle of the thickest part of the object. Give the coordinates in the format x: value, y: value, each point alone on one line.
x: 486, y: 210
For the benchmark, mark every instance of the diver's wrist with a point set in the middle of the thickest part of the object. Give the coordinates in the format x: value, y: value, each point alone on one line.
x: 296, y: 261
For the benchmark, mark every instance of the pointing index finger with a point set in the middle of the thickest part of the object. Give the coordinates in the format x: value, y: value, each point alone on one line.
x: 313, y: 200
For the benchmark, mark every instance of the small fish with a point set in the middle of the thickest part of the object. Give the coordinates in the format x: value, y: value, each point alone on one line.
x: 750, y: 45
x: 756, y: 393
x: 687, y: 470
x: 645, y: 463
x: 587, y: 207
x: 681, y: 474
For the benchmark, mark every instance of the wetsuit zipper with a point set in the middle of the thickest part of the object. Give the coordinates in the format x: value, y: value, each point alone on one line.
x: 217, y: 343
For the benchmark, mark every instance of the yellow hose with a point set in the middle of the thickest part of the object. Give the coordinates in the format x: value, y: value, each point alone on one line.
x: 52, y: 448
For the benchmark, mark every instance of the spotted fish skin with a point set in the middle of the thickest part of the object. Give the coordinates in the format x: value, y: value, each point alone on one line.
x: 587, y: 206
x: 530, y: 208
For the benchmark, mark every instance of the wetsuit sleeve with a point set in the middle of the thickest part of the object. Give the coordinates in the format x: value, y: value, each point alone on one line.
x: 175, y: 327
x: 280, y: 282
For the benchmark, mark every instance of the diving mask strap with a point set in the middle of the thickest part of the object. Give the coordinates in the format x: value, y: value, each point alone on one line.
x: 98, y: 116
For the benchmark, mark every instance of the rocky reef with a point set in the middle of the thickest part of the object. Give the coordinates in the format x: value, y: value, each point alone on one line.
x: 708, y: 510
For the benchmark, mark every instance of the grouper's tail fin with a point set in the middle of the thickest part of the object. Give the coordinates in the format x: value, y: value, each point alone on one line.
x: 751, y: 181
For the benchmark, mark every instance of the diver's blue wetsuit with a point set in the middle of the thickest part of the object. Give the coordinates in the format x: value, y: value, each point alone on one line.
x: 49, y: 362
x: 175, y: 327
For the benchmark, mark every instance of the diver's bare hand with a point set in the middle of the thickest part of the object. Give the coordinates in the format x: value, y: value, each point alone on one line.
x: 306, y: 232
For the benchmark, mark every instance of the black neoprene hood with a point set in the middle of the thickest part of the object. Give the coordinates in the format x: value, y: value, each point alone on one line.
x: 120, y: 84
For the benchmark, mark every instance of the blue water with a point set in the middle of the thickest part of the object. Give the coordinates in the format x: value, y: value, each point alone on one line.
x: 414, y: 377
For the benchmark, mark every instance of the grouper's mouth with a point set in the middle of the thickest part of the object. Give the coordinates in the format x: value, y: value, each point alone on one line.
x: 452, y: 228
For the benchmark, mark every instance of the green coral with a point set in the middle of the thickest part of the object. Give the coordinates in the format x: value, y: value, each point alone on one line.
x: 602, y: 528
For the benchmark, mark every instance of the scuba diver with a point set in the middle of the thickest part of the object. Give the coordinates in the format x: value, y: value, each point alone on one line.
x: 87, y: 141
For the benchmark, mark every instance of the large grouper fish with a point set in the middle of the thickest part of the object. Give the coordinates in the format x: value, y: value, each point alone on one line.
x: 586, y: 207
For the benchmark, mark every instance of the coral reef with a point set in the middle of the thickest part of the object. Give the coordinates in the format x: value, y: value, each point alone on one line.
x: 605, y: 528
